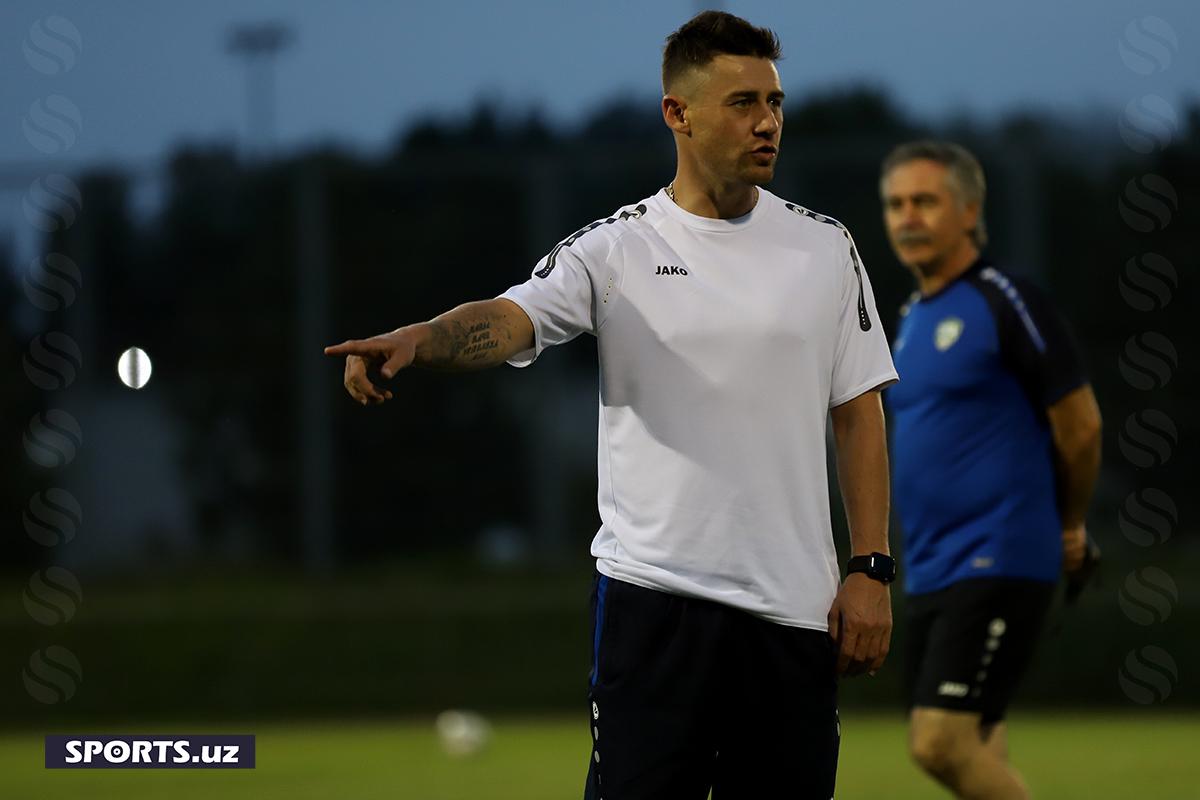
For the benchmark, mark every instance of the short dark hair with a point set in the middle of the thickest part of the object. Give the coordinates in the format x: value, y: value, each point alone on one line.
x: 710, y: 34
x: 961, y: 165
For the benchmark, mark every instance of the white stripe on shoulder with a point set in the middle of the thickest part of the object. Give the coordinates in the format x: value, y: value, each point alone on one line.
x: 1006, y: 287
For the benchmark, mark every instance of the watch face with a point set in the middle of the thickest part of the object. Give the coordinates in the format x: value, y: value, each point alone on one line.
x: 877, y: 566
x: 883, y: 568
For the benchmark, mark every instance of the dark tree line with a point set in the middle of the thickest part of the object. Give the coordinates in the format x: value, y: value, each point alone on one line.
x: 460, y: 210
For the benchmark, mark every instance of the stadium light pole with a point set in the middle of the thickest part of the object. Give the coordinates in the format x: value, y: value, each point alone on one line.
x: 314, y: 434
x: 259, y: 43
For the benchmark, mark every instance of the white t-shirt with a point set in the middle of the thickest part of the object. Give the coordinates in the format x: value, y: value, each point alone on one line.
x: 722, y: 345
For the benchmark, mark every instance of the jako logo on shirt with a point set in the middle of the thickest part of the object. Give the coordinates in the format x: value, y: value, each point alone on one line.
x: 661, y: 270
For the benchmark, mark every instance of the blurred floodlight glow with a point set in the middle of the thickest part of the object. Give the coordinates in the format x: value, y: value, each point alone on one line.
x: 134, y: 368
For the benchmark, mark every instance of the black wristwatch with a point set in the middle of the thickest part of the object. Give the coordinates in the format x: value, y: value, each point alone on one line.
x: 877, y: 566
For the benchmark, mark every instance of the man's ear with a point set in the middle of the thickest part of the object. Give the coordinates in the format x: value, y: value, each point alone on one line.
x: 972, y: 219
x: 674, y: 110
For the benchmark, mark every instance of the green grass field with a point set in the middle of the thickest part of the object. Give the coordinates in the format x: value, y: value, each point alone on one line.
x: 1063, y: 756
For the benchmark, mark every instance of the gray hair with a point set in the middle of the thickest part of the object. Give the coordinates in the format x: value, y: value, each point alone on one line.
x: 966, y: 175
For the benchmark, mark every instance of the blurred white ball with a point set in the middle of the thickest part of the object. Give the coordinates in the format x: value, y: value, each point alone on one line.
x: 134, y: 368
x: 462, y: 733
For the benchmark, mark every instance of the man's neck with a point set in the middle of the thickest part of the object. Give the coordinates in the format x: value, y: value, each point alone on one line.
x: 941, y: 275
x: 713, y: 199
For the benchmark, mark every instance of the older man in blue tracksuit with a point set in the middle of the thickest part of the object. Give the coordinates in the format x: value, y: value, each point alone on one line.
x: 995, y: 450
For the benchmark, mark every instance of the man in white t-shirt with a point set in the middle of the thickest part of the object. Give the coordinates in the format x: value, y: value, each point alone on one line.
x: 730, y: 326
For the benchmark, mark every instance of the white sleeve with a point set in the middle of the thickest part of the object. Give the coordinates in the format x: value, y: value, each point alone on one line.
x: 861, y: 359
x: 558, y: 300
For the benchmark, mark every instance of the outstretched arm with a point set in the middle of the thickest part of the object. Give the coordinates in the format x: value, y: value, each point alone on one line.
x: 473, y: 336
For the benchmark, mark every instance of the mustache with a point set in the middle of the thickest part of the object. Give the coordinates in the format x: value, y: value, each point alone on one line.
x: 912, y: 237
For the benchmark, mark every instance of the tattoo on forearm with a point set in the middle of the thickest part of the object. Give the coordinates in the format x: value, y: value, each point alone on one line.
x: 480, y: 341
x: 448, y: 340
x: 472, y: 336
x: 459, y: 342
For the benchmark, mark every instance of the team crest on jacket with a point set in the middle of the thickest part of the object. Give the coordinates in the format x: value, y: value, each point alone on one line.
x: 947, y: 333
